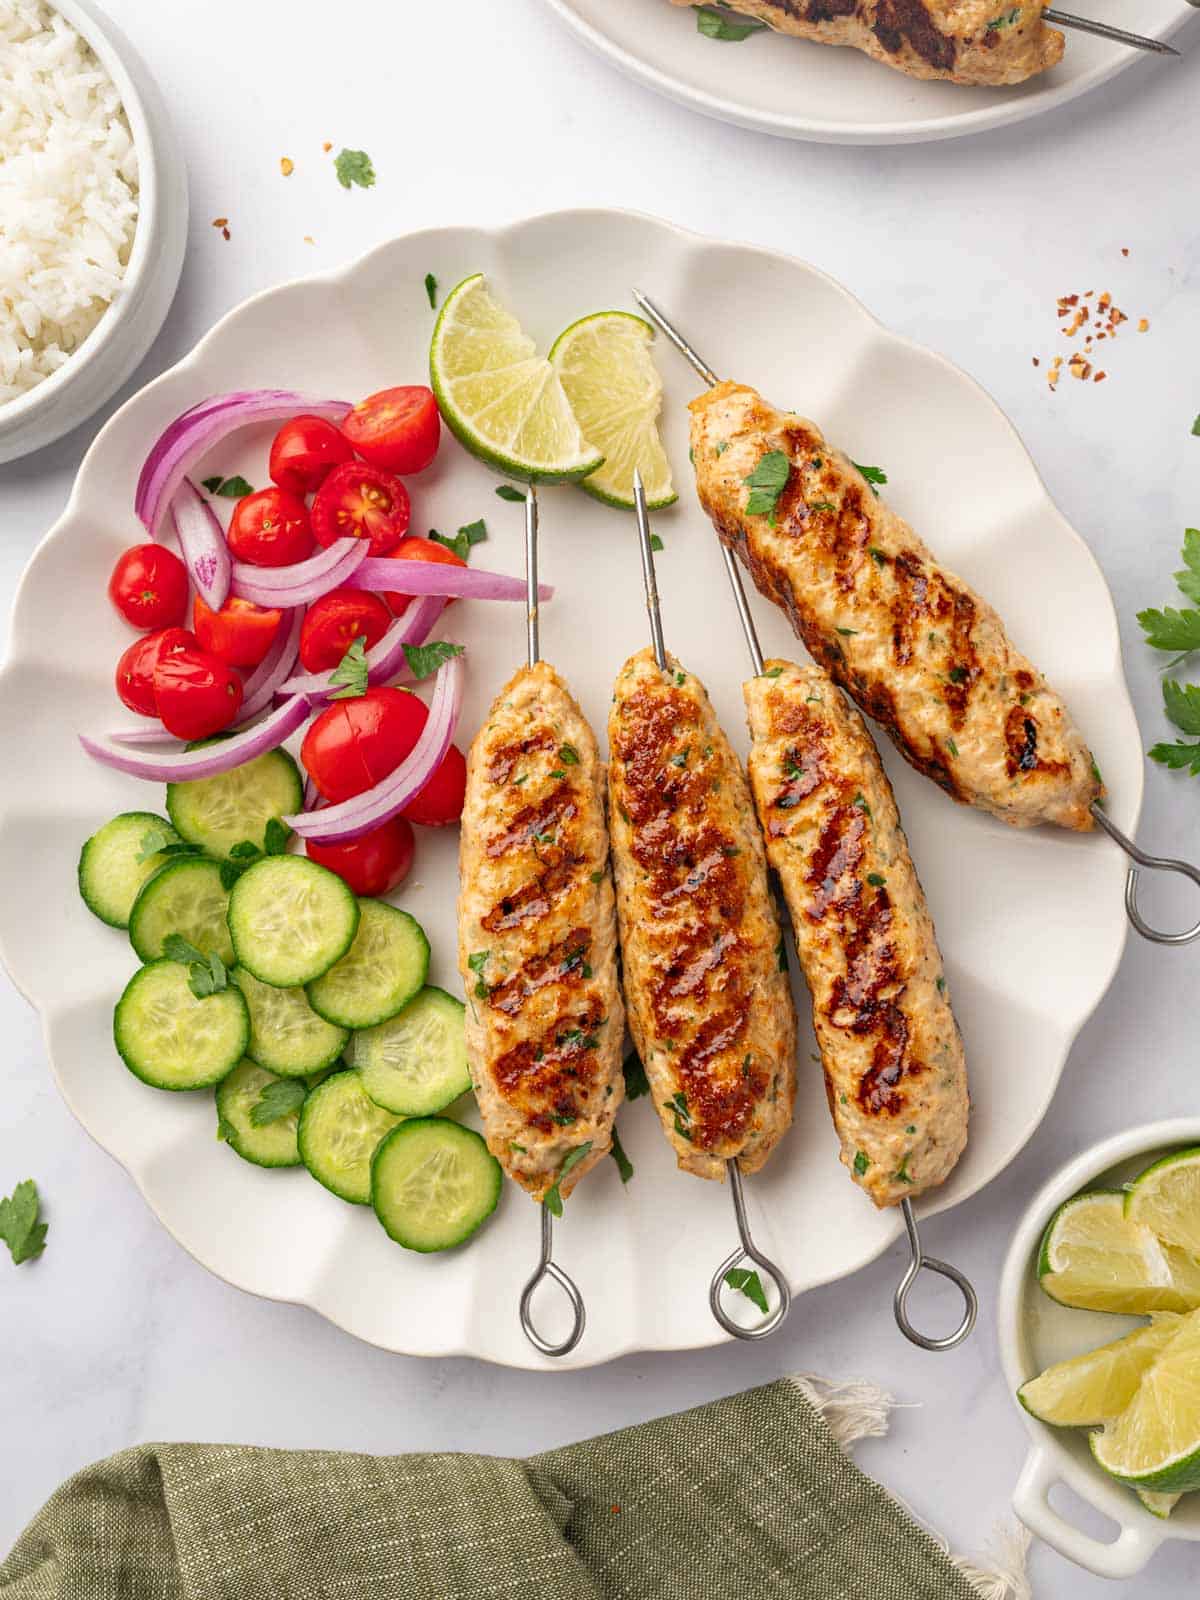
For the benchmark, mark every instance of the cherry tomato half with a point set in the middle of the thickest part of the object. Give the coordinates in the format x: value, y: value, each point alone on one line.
x: 240, y: 634
x: 364, y: 502
x: 271, y: 528
x: 396, y: 429
x: 440, y: 802
x: 149, y: 587
x: 354, y: 744
x: 332, y: 623
x: 416, y: 549
x: 197, y: 695
x: 375, y: 863
x: 304, y: 452
x: 135, y: 669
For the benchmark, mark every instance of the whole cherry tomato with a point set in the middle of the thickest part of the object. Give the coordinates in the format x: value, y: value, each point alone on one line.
x: 239, y: 634
x: 332, y: 623
x: 197, y: 694
x: 417, y: 549
x: 135, y: 669
x: 360, y: 500
x: 396, y: 429
x: 149, y: 586
x: 271, y: 528
x: 373, y: 864
x: 440, y: 802
x: 355, y: 743
x: 303, y: 453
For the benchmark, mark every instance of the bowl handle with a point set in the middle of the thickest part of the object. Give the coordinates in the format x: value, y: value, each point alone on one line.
x: 1124, y: 1556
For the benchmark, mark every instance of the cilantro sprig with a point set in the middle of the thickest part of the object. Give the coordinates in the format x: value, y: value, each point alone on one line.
x: 20, y: 1226
x: 280, y: 1099
x: 624, y: 1165
x: 766, y: 483
x: 746, y: 1281
x: 350, y: 674
x: 636, y: 1082
x: 245, y: 853
x: 354, y: 167
x: 714, y: 23
x: 425, y: 659
x: 206, y: 974
x: 552, y: 1199
x: 471, y: 534
x: 235, y: 488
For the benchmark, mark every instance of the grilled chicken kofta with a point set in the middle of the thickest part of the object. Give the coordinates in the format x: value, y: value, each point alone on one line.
x: 710, y: 1008
x: 919, y: 650
x: 890, y: 1048
x: 962, y: 41
x: 537, y: 936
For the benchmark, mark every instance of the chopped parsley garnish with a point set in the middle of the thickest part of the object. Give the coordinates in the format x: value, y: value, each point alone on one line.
x: 597, y: 877
x: 552, y: 1199
x: 1005, y: 20
x: 681, y: 759
x: 873, y: 475
x: 766, y: 483
x: 876, y: 880
x: 952, y: 747
x: 656, y: 543
x: 822, y: 505
x: 714, y: 24
x: 558, y: 772
x: 848, y: 633
x: 280, y: 1099
x: 472, y: 533
x: 431, y: 289
x: 477, y: 961
x: 234, y: 488
x: 161, y: 841
x: 507, y: 492
x: 206, y: 974
x: 902, y: 1171
x: 722, y: 447
x: 680, y: 679
x: 959, y: 674
x: 941, y: 985
x: 772, y: 672
x: 861, y: 1162
x: 351, y: 671
x: 424, y: 659
x: 860, y: 801
x: 624, y: 1165
x: 354, y: 166
x: 747, y: 1282
x: 636, y: 1082
x: 877, y: 556
x: 20, y: 1228
x: 568, y: 755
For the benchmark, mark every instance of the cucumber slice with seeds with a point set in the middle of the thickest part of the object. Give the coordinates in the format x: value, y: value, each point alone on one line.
x: 379, y: 974
x: 273, y: 1144
x: 217, y: 813
x: 110, y: 871
x: 290, y: 920
x: 171, y: 1040
x: 340, y: 1129
x: 416, y: 1063
x: 433, y: 1183
x: 184, y: 897
x: 286, y: 1034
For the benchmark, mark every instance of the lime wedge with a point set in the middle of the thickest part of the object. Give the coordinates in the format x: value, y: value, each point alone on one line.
x: 609, y: 376
x: 1155, y: 1442
x: 1093, y: 1256
x: 1166, y: 1197
x: 1158, y: 1505
x: 1094, y: 1387
x: 499, y: 397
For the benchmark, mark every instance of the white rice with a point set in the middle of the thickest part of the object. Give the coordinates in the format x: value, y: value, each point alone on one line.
x: 68, y: 193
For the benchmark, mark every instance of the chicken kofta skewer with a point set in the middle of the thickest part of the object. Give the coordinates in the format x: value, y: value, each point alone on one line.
x: 709, y: 1004
x: 538, y: 943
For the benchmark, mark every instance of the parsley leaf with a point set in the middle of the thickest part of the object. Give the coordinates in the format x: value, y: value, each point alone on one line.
x: 624, y: 1165
x: 861, y: 1162
x: 280, y: 1099
x: 636, y: 1082
x: 1169, y: 629
x: 431, y: 289
x: 656, y: 544
x: 748, y: 1282
x: 873, y: 475
x: 552, y: 1199
x: 354, y: 166
x: 568, y: 755
x: 473, y: 533
x: 1189, y: 579
x: 161, y: 841
x: 351, y: 671
x: 507, y: 492
x: 177, y: 948
x: 714, y: 24
x: 1196, y: 428
x: 206, y: 974
x: 1179, y: 757
x: 20, y: 1229
x: 275, y: 838
x: 228, y: 488
x: 1182, y: 705
x: 766, y: 483
x: 424, y: 659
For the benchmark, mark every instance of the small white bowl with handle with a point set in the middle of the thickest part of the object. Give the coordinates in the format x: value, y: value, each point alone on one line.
x: 1036, y: 1331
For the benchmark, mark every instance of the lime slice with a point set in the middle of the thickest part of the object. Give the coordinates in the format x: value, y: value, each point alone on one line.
x: 1158, y: 1505
x: 1099, y: 1385
x: 1093, y: 1256
x: 1155, y: 1442
x: 609, y: 376
x: 1166, y: 1197
x: 499, y: 397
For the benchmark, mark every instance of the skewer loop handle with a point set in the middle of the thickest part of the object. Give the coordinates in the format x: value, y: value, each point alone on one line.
x: 747, y: 1250
x: 548, y: 1268
x: 1155, y: 864
x: 919, y: 1262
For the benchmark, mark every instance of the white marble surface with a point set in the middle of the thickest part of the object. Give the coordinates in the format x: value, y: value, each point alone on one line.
x: 116, y: 1336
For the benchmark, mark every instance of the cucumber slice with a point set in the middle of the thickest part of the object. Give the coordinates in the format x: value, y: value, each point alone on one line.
x: 340, y: 1127
x: 184, y: 897
x: 433, y: 1183
x: 416, y: 1063
x: 110, y: 871
x: 286, y: 1034
x: 217, y: 813
x: 171, y: 1040
x: 290, y: 920
x: 271, y: 1145
x: 380, y: 973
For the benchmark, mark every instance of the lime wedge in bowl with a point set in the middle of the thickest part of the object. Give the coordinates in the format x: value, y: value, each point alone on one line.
x: 1094, y: 1387
x: 1094, y: 1257
x: 608, y: 375
x: 1166, y: 1197
x: 501, y: 399
x: 1155, y: 1442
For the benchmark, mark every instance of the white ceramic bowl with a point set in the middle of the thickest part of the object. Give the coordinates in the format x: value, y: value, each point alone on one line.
x: 1035, y: 1331
x: 128, y: 328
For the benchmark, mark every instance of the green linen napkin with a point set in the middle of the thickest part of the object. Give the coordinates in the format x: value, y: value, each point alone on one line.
x: 743, y: 1499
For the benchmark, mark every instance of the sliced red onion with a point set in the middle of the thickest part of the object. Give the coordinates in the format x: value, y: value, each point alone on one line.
x: 177, y: 766
x: 351, y: 818
x: 311, y: 794
x: 265, y: 681
x: 186, y: 440
x: 152, y: 733
x: 202, y: 540
x: 302, y: 582
x: 385, y: 658
x: 436, y: 577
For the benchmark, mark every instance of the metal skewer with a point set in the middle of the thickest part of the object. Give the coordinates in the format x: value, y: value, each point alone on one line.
x: 1135, y: 854
x: 1103, y: 30
x: 747, y: 1250
x: 547, y: 1267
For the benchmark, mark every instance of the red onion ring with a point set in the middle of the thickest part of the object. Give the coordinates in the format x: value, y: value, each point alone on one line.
x: 385, y: 658
x: 202, y: 540
x: 267, y: 678
x: 435, y: 577
x: 177, y: 766
x: 302, y: 582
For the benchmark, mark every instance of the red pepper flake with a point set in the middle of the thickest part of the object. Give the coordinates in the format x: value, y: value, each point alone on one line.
x: 1124, y: 251
x: 616, y: 1510
x: 327, y: 147
x: 286, y: 166
x: 1100, y: 377
x: 222, y: 223
x: 1143, y: 326
x: 1036, y: 362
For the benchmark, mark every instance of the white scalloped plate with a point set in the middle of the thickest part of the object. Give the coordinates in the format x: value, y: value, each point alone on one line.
x: 1031, y: 923
x: 801, y: 90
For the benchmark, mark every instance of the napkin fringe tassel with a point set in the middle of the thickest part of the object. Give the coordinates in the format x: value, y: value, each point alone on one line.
x: 856, y: 1409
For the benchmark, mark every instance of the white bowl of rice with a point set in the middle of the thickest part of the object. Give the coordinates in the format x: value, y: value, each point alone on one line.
x: 93, y: 217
